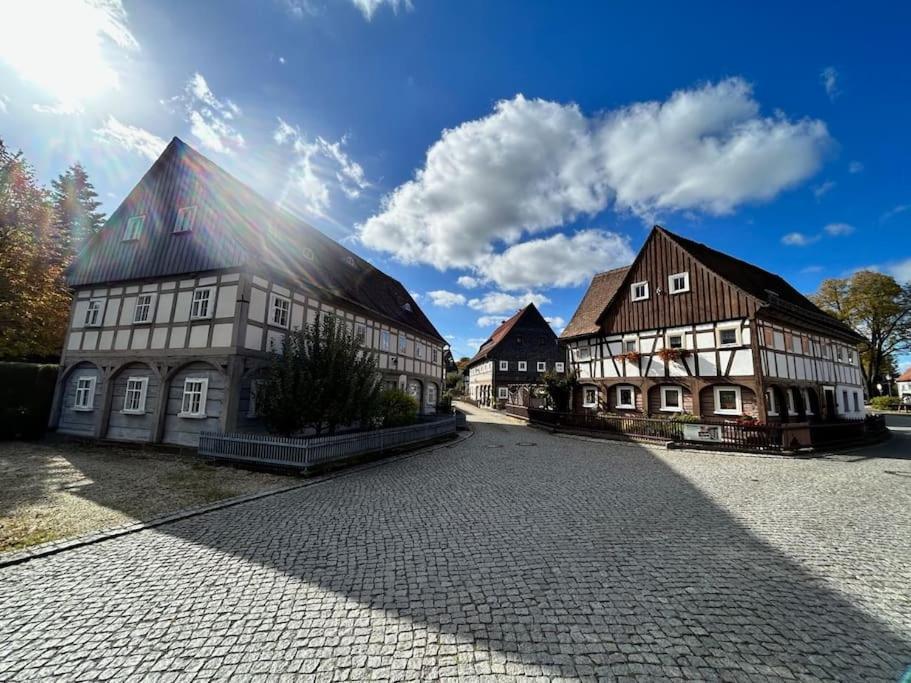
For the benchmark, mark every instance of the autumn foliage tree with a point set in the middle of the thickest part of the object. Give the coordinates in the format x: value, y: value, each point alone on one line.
x: 36, y: 246
x: 877, y: 307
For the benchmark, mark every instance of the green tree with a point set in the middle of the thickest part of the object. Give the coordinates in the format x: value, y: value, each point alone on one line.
x: 878, y: 308
x: 322, y: 379
x: 559, y: 387
x: 34, y: 300
x: 75, y: 206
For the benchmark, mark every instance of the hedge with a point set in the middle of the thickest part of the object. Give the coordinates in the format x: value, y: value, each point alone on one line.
x: 885, y: 402
x: 26, y: 394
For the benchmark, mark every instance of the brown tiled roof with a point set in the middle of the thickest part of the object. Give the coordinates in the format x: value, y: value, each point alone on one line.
x: 905, y: 376
x: 600, y: 292
x: 499, y: 334
x: 234, y: 227
x: 771, y: 289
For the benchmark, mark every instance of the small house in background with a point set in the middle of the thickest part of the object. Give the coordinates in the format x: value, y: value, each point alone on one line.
x: 194, y: 279
x: 903, y: 384
x: 688, y: 329
x: 519, y: 351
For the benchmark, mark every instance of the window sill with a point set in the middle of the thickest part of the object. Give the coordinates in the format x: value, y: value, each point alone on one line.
x: 625, y: 407
x: 200, y: 317
x: 193, y: 416
x: 142, y: 322
x: 671, y: 410
x: 729, y: 412
x: 589, y: 405
x: 83, y: 410
x: 133, y: 412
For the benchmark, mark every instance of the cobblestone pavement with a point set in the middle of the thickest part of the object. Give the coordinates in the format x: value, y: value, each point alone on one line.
x: 514, y: 554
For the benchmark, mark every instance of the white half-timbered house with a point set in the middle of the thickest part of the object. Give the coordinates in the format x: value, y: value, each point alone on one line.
x: 180, y: 297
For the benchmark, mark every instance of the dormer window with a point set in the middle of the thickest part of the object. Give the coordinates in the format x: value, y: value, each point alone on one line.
x: 308, y: 253
x: 407, y: 307
x: 186, y: 216
x: 133, y: 229
x: 679, y: 283
x: 639, y: 291
x: 350, y: 261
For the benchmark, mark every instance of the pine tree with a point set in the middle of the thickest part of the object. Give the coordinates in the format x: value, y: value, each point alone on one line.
x: 76, y: 215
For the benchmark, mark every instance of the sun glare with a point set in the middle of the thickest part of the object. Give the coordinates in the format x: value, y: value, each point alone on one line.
x: 66, y: 47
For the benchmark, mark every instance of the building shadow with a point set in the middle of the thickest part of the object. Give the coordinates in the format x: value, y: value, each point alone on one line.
x: 577, y: 559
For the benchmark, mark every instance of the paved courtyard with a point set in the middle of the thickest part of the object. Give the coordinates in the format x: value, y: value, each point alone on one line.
x: 513, y: 554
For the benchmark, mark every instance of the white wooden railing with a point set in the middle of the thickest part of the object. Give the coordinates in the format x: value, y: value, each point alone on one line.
x: 304, y: 453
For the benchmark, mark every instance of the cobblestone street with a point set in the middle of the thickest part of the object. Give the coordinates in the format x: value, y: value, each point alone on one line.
x: 515, y: 553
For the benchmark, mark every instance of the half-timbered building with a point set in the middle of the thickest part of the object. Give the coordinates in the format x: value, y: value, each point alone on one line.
x: 519, y: 351
x: 688, y: 329
x: 179, y: 299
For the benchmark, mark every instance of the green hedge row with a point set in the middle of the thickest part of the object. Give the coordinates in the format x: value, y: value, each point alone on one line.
x: 26, y: 394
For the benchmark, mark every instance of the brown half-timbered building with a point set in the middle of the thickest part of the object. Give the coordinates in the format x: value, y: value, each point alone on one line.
x: 687, y: 329
x: 518, y: 352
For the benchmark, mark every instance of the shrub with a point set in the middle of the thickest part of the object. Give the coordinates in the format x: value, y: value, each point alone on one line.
x: 397, y: 408
x: 445, y: 404
x: 885, y: 402
x: 26, y: 394
x: 688, y: 418
x: 559, y: 387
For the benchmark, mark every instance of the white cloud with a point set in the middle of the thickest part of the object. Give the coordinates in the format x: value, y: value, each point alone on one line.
x: 67, y: 49
x: 318, y: 167
x: 823, y: 188
x: 808, y: 270
x: 900, y: 270
x: 61, y: 108
x: 894, y: 211
x: 799, y: 239
x: 130, y: 138
x: 469, y: 282
x: 839, y: 229
x: 855, y: 167
x: 829, y: 78
x: 211, y: 119
x: 533, y: 164
x: 559, y: 260
x: 369, y: 7
x: 445, y: 299
x: 556, y: 322
x: 490, y: 321
x: 281, y: 60
x: 502, y: 302
x: 3, y: 100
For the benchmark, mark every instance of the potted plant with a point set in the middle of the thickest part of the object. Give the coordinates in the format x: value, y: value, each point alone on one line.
x: 668, y: 354
x: 630, y: 356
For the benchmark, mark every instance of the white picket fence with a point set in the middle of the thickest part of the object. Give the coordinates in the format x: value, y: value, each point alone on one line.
x: 304, y: 453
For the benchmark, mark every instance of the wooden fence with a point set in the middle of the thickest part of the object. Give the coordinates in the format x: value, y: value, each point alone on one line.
x: 775, y: 437
x: 306, y: 453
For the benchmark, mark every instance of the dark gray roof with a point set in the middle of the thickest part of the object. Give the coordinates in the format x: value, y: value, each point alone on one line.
x: 234, y: 227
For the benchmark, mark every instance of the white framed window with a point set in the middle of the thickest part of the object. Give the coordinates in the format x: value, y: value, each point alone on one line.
x: 384, y: 340
x: 436, y: 355
x: 639, y: 291
x: 672, y: 399
x: 201, y: 307
x: 796, y: 344
x: 134, y: 399
x: 193, y: 403
x: 504, y: 365
x: 807, y: 406
x: 789, y: 397
x: 502, y: 392
x: 145, y: 305
x: 280, y: 311
x: 403, y: 343
x: 838, y: 354
x: 350, y: 261
x: 589, y: 396
x: 856, y: 402
x: 255, y: 387
x: 674, y: 340
x: 626, y: 397
x: 186, y: 217
x: 542, y: 366
x: 360, y: 331
x: 133, y: 229
x: 84, y: 399
x: 728, y: 401
x: 94, y: 314
x: 523, y: 366
x: 729, y: 335
x: 583, y: 353
x: 771, y: 403
x: 559, y: 367
x: 630, y: 345
x: 678, y: 283
x: 845, y: 406
x: 418, y: 351
x: 431, y: 394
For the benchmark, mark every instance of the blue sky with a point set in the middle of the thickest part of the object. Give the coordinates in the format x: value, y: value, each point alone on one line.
x: 491, y: 153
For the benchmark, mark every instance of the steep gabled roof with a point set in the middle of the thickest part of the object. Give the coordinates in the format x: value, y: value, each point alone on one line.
x: 600, y: 292
x: 503, y: 331
x: 234, y: 227
x: 905, y: 376
x: 772, y: 293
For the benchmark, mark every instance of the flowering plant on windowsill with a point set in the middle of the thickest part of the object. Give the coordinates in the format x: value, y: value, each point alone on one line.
x: 630, y: 356
x: 668, y: 354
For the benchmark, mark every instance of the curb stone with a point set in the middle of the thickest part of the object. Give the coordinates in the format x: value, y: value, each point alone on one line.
x: 60, y: 545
